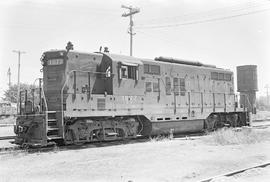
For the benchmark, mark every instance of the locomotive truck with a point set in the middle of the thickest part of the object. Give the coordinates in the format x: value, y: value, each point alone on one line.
x: 85, y: 97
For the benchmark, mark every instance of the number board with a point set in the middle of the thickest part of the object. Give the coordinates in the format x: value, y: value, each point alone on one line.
x: 55, y: 61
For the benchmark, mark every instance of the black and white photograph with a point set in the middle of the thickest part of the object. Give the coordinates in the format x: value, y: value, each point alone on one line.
x: 134, y: 90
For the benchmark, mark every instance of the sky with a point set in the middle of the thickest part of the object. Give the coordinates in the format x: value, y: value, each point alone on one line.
x: 225, y: 33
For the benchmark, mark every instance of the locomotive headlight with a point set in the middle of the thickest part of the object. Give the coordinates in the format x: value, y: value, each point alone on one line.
x: 20, y: 129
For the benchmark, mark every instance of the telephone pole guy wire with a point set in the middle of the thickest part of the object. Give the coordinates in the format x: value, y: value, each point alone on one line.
x: 19, y: 67
x: 131, y: 12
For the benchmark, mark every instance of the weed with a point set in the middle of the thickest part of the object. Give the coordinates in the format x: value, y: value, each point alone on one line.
x: 232, y: 136
x: 160, y: 138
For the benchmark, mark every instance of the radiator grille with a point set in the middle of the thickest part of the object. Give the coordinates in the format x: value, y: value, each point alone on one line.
x: 101, y: 104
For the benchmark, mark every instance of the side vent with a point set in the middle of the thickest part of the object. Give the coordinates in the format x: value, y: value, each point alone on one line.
x: 101, y: 104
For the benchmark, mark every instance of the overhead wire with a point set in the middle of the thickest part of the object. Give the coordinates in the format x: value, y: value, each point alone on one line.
x: 174, y: 44
x: 204, y: 17
x: 204, y: 21
x: 250, y: 4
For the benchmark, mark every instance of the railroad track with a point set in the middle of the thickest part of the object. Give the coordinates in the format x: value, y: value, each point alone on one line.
x: 188, y: 136
x: 232, y: 173
x: 191, y: 136
x: 51, y: 148
x: 7, y: 137
x: 261, y: 120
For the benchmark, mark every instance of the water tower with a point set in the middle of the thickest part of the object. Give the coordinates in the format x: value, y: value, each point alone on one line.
x: 247, y: 85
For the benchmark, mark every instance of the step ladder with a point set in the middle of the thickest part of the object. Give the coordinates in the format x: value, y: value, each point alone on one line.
x: 52, y: 126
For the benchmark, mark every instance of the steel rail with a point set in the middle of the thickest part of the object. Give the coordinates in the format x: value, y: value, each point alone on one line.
x: 232, y: 173
x: 96, y: 144
x: 7, y: 137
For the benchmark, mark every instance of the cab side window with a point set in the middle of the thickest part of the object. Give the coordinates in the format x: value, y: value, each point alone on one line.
x: 132, y: 72
x: 128, y: 72
x: 152, y: 69
x: 124, y: 71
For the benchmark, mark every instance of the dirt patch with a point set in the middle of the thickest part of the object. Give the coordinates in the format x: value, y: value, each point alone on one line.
x: 182, y: 159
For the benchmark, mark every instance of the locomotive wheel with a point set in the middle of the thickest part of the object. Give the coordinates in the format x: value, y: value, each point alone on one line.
x: 210, y: 124
x: 233, y: 120
x: 99, y: 135
x: 25, y: 146
x: 71, y: 139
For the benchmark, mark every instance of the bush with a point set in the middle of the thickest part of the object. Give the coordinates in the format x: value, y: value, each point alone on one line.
x: 160, y: 138
x: 164, y: 137
x: 232, y: 136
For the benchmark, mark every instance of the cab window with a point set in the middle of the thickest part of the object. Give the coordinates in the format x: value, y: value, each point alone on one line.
x: 128, y: 72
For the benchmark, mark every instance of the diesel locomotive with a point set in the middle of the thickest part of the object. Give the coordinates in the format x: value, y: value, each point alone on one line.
x: 85, y: 97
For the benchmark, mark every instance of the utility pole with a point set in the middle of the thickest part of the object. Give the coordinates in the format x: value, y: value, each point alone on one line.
x: 131, y: 12
x: 9, y: 77
x: 19, y: 67
x: 267, y: 93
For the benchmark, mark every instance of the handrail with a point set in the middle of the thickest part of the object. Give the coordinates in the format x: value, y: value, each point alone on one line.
x: 62, y: 102
x: 89, y: 72
x: 45, y: 101
x: 41, y: 90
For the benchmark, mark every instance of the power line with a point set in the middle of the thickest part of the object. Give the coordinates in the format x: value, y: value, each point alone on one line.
x: 204, y: 21
x: 213, y: 12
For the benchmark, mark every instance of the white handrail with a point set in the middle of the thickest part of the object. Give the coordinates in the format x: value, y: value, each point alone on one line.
x: 62, y: 102
x: 44, y: 97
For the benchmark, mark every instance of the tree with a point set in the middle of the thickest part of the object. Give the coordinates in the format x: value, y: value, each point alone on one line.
x: 261, y: 103
x: 11, y: 93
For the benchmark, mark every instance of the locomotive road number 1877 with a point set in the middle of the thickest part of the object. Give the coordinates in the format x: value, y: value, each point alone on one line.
x: 55, y: 61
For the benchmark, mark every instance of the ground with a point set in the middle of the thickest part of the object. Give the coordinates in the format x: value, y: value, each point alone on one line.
x: 180, y: 159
